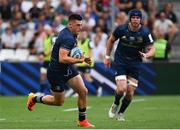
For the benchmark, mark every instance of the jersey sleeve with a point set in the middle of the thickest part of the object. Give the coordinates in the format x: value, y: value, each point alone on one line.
x: 117, y: 32
x: 148, y: 39
x: 68, y: 43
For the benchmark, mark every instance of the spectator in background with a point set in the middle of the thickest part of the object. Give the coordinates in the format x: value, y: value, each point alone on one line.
x: 31, y: 45
x: 8, y: 39
x: 139, y: 6
x: 60, y: 7
x: 36, y: 44
x: 166, y: 26
x: 144, y: 2
x: 161, y: 46
x: 121, y: 18
x: 57, y: 23
x: 18, y: 13
x: 48, y: 11
x: 34, y: 10
x: 78, y: 6
x: 5, y: 10
x: 89, y: 22
x: 124, y: 5
x: 66, y: 10
x: 1, y: 27
x: 99, y: 40
x: 24, y: 36
x: 168, y: 10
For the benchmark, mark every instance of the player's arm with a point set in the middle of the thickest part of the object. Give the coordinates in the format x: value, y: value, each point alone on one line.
x: 148, y: 40
x: 66, y: 59
x: 109, y: 46
x: 150, y: 52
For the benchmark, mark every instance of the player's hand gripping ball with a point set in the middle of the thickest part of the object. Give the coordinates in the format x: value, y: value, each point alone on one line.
x: 76, y: 53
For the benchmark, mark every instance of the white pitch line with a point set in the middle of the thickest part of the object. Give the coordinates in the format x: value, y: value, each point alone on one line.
x: 138, y: 100
x: 2, y: 119
x: 74, y: 109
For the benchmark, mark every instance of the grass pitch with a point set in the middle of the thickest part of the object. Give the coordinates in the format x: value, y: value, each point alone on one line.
x: 145, y: 112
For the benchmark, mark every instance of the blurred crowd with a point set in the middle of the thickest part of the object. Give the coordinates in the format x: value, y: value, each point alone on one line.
x: 30, y: 24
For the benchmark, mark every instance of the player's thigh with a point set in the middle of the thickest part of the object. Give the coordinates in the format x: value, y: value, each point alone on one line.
x: 121, y: 84
x: 121, y: 78
x: 77, y: 84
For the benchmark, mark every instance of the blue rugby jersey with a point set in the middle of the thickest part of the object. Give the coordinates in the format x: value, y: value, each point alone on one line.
x: 130, y: 43
x: 65, y: 40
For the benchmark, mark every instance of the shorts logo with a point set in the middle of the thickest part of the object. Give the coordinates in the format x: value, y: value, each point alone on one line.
x: 69, y: 72
x: 58, y: 88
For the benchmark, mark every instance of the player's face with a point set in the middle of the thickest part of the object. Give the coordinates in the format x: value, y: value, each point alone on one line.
x: 135, y: 21
x: 77, y: 26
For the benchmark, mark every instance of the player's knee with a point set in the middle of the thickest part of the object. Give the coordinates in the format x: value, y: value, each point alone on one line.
x: 121, y: 90
x: 129, y: 96
x: 83, y: 92
x: 86, y: 91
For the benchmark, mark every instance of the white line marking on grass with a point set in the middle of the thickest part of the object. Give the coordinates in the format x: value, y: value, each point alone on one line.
x: 2, y: 119
x: 74, y: 109
x: 138, y: 100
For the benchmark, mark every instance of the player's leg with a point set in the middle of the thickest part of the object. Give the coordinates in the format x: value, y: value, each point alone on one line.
x: 77, y: 84
x: 132, y: 84
x: 57, y: 97
x: 121, y: 83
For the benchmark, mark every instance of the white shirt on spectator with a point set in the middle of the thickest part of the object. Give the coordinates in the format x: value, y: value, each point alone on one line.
x: 99, y: 49
x: 39, y: 45
x: 163, y: 26
x: 23, y: 40
x: 9, y: 40
x: 78, y: 9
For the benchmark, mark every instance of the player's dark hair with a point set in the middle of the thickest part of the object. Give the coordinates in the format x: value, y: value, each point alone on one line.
x: 74, y: 16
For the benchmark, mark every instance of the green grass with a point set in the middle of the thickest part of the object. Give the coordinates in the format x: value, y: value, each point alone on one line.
x: 161, y: 112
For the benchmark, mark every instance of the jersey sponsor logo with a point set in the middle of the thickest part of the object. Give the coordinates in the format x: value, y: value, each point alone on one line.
x: 139, y: 40
x: 132, y: 38
x: 130, y: 44
x: 123, y: 37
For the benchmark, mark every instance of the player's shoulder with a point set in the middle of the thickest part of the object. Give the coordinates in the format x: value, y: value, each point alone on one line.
x: 65, y: 34
x: 145, y: 30
x: 122, y: 27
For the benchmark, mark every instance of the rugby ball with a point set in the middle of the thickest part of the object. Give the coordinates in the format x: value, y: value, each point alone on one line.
x: 76, y: 53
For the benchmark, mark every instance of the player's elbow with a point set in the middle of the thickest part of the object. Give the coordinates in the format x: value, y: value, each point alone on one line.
x: 62, y: 59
